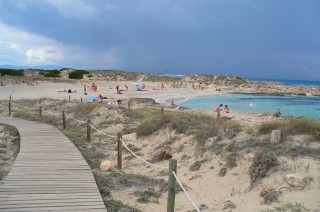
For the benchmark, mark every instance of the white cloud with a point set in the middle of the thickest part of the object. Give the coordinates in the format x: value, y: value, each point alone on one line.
x: 24, y: 48
x: 73, y: 8
x: 44, y: 55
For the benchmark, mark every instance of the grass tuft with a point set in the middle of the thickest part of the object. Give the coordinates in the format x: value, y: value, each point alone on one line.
x: 263, y: 161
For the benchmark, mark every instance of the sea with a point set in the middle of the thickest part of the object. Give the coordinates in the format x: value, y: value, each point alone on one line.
x: 289, y: 82
x: 306, y: 106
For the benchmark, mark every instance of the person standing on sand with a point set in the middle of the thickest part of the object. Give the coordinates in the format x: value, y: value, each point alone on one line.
x: 218, y: 108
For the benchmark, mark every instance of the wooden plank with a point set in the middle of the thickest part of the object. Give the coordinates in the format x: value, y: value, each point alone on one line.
x: 49, y: 173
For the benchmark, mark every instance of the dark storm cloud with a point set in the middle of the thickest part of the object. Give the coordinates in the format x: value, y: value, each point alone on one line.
x: 269, y: 39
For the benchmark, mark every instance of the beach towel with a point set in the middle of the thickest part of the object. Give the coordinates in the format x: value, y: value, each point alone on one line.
x: 93, y: 98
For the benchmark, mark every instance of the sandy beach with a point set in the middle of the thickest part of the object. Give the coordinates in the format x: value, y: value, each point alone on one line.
x: 213, y: 192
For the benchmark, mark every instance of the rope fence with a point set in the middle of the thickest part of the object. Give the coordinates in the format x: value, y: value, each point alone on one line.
x: 112, y: 136
x: 185, y: 192
x: 77, y: 120
x: 140, y: 158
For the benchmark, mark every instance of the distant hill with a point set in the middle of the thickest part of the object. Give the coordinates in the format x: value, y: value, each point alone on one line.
x: 44, y: 67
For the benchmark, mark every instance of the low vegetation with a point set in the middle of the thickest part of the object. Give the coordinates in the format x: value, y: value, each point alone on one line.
x: 263, y: 161
x: 11, y: 72
x: 77, y: 74
x: 209, y: 138
x: 53, y: 73
x: 9, y: 148
x: 292, y: 126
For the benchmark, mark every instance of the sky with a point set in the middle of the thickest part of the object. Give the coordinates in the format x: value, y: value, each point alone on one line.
x: 268, y: 39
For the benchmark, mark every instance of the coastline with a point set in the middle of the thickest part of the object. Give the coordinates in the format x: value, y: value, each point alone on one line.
x: 212, y: 152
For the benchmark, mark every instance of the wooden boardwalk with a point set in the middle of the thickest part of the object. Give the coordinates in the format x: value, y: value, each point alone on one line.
x: 49, y: 173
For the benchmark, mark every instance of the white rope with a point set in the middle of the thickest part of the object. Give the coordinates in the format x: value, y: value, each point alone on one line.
x: 162, y: 167
x: 185, y: 192
x: 77, y: 120
x: 112, y: 136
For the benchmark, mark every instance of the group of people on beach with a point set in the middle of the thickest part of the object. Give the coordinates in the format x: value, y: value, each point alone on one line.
x: 226, y: 109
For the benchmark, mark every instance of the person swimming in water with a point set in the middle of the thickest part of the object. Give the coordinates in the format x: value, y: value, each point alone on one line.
x: 253, y: 103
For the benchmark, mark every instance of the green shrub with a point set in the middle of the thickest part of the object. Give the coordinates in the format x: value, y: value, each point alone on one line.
x: 53, y: 73
x: 271, y: 196
x: 231, y: 160
x: 263, y: 161
x: 300, y: 126
x: 147, y: 195
x: 196, y: 166
x: 150, y: 126
x: 113, y: 205
x: 297, y: 207
x: 222, y: 172
x: 11, y: 72
x: 267, y: 127
x: 292, y: 126
x: 77, y: 74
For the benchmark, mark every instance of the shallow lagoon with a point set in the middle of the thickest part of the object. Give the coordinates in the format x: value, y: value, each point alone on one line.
x: 308, y: 106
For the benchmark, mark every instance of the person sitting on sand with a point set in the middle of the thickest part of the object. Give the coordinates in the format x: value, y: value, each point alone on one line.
x: 218, y: 108
x: 226, y: 109
x: 172, y: 104
x: 277, y: 114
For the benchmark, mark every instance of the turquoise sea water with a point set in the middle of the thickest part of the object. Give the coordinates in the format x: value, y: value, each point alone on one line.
x: 289, y: 82
x: 308, y: 106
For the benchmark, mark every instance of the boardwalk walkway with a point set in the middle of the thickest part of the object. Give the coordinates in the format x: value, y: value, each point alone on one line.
x: 48, y: 174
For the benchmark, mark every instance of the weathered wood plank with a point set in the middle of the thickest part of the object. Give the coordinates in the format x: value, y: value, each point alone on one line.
x: 49, y: 173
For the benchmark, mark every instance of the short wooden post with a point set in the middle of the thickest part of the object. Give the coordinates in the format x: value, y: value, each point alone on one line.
x: 69, y: 98
x: 63, y: 119
x: 171, y: 185
x: 81, y: 99
x: 275, y: 136
x: 119, y: 151
x: 88, y: 131
x: 218, y: 114
x: 40, y: 112
x: 10, y: 105
x: 129, y: 105
x: 162, y: 110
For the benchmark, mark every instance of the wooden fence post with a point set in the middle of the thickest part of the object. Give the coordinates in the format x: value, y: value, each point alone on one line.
x: 88, y: 131
x: 119, y: 151
x: 171, y: 185
x: 40, y: 112
x: 69, y: 98
x: 162, y: 110
x: 218, y: 114
x: 10, y: 105
x: 129, y: 105
x: 63, y: 120
x: 81, y: 99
